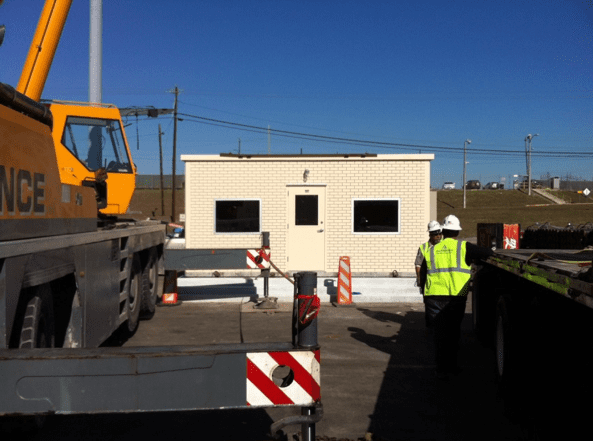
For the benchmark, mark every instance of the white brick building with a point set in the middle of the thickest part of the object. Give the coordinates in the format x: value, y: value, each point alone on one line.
x: 372, y: 208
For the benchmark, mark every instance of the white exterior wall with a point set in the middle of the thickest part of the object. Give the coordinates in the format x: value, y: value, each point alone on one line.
x: 406, y: 177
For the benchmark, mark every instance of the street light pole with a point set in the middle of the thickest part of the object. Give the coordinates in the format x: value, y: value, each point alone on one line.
x: 528, y: 140
x: 467, y: 141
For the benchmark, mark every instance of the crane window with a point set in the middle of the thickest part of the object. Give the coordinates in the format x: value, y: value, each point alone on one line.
x: 97, y: 143
x: 375, y: 216
x: 237, y: 216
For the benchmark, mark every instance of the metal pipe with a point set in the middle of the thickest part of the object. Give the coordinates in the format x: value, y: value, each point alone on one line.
x: 265, y: 239
x: 266, y: 273
x: 295, y: 311
x: 266, y: 283
x: 96, y: 52
x: 466, y: 142
x: 307, y: 290
x: 308, y: 427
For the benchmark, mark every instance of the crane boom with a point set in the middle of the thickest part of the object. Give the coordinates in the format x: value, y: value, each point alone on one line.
x: 43, y: 48
x: 89, y: 138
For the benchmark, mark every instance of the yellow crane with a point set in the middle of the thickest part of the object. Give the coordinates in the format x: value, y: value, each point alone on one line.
x: 90, y: 142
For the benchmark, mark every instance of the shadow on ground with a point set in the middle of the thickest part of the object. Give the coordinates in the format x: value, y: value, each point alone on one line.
x: 412, y: 404
x: 229, y: 425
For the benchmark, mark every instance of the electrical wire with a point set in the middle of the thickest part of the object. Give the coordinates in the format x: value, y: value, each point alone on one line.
x: 369, y: 143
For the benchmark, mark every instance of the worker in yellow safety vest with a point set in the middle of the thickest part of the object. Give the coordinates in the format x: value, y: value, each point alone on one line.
x: 434, y: 236
x: 445, y: 275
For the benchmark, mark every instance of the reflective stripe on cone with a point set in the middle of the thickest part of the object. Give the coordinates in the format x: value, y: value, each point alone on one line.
x: 344, y: 282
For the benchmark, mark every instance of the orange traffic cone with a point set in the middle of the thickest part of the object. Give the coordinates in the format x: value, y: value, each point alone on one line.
x: 344, y: 282
x: 169, y: 297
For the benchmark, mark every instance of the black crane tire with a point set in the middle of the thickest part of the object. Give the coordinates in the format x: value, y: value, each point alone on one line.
x: 134, y: 299
x: 150, y: 285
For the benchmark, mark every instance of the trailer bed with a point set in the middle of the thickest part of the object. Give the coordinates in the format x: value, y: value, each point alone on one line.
x: 566, y: 272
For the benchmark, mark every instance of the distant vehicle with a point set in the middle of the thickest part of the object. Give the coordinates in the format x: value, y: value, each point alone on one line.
x: 474, y: 184
x: 493, y: 186
x: 525, y: 184
x: 176, y: 239
x: 177, y: 233
x: 449, y: 186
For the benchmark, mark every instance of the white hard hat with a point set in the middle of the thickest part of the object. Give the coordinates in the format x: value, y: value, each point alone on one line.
x: 434, y: 226
x: 451, y: 223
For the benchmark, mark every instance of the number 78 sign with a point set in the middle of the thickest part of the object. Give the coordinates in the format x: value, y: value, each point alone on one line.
x: 511, y: 237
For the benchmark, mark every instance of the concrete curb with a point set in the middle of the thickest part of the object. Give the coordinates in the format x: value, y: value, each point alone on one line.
x: 242, y: 290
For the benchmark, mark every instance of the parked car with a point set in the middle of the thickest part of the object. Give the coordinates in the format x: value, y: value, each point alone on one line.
x: 474, y: 184
x: 492, y: 186
x: 449, y: 186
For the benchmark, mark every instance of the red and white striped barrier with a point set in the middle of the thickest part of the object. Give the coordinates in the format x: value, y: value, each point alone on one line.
x: 303, y: 390
x: 258, y: 258
x: 344, y: 282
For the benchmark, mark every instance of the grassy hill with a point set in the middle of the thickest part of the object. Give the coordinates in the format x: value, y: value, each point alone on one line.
x: 147, y: 203
x: 511, y: 206
x: 506, y: 206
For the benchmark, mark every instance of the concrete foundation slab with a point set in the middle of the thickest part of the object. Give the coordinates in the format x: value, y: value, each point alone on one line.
x: 250, y: 289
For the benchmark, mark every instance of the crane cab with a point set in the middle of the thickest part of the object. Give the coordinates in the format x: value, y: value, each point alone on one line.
x: 92, y: 150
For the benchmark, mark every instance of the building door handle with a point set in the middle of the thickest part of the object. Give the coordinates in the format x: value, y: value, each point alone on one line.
x: 320, y: 231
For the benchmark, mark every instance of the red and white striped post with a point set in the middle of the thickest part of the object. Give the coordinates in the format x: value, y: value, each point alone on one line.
x: 344, y: 282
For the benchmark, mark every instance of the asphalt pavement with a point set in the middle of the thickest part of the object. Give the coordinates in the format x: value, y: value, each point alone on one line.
x: 377, y: 379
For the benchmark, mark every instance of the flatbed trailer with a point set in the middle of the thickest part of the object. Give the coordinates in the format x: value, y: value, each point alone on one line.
x: 535, y: 307
x: 87, y: 278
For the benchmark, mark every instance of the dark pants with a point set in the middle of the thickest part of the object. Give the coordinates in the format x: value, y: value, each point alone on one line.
x: 444, y: 314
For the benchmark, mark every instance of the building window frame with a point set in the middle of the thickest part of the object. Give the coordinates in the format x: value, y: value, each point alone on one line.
x: 258, y: 200
x: 375, y: 233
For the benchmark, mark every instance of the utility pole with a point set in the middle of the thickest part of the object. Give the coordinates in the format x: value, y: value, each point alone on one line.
x: 269, y: 141
x: 176, y: 92
x: 528, y: 139
x: 239, y: 146
x: 161, y: 163
x: 466, y: 142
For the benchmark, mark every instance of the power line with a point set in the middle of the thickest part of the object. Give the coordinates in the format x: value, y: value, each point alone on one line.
x: 375, y: 144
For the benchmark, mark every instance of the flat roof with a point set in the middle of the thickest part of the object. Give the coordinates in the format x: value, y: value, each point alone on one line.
x: 311, y: 157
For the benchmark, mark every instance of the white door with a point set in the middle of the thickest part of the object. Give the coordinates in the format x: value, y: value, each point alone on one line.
x: 305, y: 236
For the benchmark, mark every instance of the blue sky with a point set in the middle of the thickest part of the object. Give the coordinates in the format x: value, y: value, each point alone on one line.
x: 425, y: 74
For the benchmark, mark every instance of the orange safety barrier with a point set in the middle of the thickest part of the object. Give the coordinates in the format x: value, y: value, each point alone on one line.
x: 344, y: 282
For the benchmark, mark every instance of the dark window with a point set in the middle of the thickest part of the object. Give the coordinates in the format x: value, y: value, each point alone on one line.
x: 237, y: 216
x: 97, y: 143
x: 376, y: 216
x: 306, y: 210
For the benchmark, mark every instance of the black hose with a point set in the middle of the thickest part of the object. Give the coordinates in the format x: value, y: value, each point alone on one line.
x: 275, y: 428
x: 22, y: 103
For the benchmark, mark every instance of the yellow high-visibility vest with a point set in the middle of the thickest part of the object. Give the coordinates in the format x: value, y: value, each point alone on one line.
x: 424, y: 248
x: 447, y: 273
